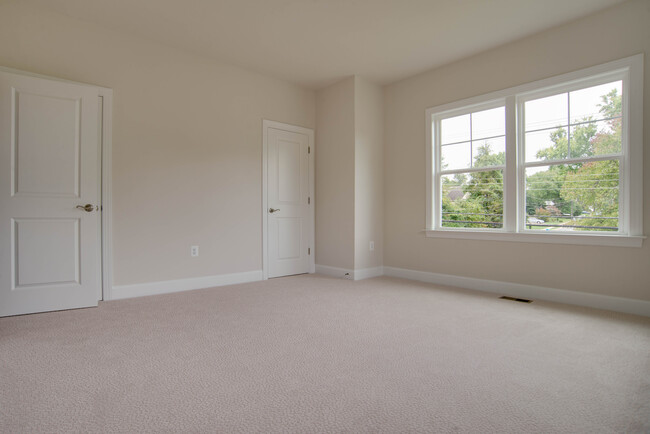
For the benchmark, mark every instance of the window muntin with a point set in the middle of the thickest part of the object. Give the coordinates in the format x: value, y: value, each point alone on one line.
x: 604, y: 172
x: 561, y: 126
x: 584, y: 195
x: 573, y: 197
x: 470, y: 174
x: 472, y: 200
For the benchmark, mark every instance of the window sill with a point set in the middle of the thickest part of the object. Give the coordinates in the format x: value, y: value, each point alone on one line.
x: 552, y: 238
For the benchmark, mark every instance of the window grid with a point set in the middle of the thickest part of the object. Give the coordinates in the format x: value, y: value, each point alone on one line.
x: 472, y: 169
x: 567, y: 124
x: 514, y: 179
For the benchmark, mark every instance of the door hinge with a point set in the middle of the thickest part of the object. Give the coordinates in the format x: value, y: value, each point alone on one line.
x: 309, y: 149
x: 309, y: 250
x: 309, y: 201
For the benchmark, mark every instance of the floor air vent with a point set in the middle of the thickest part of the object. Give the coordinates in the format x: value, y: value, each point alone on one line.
x: 521, y: 300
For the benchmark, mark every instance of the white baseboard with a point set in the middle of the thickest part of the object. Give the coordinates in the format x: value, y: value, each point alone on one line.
x: 168, y: 286
x: 367, y: 273
x: 360, y: 274
x: 335, y: 272
x: 607, y: 302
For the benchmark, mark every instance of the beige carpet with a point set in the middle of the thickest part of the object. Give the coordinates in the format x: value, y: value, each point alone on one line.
x: 317, y: 354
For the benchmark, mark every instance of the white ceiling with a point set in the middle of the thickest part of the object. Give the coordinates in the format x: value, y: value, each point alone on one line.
x: 317, y: 42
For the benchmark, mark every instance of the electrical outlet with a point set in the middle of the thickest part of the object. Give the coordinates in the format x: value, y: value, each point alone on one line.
x: 372, y: 246
x: 194, y: 251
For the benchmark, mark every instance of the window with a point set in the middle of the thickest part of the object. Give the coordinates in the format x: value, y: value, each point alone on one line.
x: 572, y: 159
x: 472, y: 160
x: 553, y: 161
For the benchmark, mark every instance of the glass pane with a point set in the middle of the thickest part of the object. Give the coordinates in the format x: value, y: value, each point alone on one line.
x: 472, y: 200
x: 489, y: 123
x: 490, y: 152
x: 458, y: 156
x: 546, y: 112
x: 596, y: 138
x: 597, y: 102
x: 548, y: 144
x: 577, y: 197
x: 456, y: 129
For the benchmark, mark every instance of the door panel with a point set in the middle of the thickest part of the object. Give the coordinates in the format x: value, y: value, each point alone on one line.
x: 49, y: 161
x: 40, y: 143
x: 288, y: 171
x: 290, y: 234
x: 35, y: 265
x: 288, y: 197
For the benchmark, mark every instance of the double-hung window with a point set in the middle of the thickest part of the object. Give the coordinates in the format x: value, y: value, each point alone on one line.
x: 559, y: 160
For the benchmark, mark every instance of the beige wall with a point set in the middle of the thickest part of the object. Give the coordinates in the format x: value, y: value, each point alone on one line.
x: 349, y: 174
x: 335, y: 175
x: 187, y: 141
x: 625, y: 272
x: 368, y: 173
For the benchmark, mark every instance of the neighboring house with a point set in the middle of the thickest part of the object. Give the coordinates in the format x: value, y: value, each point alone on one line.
x: 456, y: 193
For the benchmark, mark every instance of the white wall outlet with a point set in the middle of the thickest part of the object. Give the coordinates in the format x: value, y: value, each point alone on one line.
x: 372, y: 246
x: 194, y: 250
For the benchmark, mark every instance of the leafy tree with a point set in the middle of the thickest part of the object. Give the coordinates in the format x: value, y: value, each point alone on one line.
x: 612, y: 104
x: 575, y: 187
x: 462, y: 211
x: 545, y: 187
x: 580, y: 145
x: 482, y: 199
x: 486, y: 187
x: 595, y: 184
x: 571, y: 188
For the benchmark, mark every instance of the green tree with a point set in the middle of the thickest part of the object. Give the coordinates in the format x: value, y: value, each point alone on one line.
x: 486, y: 188
x: 612, y: 104
x: 579, y: 146
x: 544, y: 187
x: 595, y: 184
x: 571, y: 188
x: 481, y: 200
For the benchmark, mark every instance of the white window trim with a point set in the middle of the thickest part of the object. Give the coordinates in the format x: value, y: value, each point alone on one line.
x: 631, y: 232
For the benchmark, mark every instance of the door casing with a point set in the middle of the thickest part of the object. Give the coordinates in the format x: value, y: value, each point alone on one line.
x: 266, y: 124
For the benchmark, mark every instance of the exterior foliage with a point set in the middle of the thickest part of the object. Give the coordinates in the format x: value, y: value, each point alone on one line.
x: 582, y: 196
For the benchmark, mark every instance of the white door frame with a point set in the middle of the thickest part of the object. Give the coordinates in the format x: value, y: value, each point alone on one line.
x: 106, y: 144
x: 266, y: 124
x: 105, y: 281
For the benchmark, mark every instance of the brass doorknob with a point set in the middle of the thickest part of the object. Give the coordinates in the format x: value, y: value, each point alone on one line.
x: 272, y: 210
x: 87, y: 207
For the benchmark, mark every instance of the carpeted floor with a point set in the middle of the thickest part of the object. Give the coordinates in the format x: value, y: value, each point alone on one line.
x: 317, y: 354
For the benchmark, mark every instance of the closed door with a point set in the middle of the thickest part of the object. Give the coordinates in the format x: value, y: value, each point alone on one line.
x: 49, y: 192
x: 289, y: 202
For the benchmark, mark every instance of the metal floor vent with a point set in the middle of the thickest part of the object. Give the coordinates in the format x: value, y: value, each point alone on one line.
x: 521, y: 300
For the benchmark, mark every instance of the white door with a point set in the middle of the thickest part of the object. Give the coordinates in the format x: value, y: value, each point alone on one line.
x: 49, y: 163
x: 289, y: 210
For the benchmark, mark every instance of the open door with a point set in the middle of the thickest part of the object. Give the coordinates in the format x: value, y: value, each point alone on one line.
x: 49, y: 195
